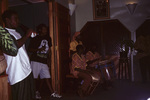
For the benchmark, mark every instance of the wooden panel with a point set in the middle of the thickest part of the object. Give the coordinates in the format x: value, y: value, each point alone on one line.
x: 3, y: 7
x: 114, y: 32
x: 60, y: 34
x: 106, y: 35
x: 143, y: 29
x: 51, y: 27
x: 4, y: 95
x: 63, y: 35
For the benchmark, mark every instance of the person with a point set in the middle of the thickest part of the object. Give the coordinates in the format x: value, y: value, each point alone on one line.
x: 93, y: 59
x: 40, y: 46
x: 76, y: 40
x: 18, y: 69
x: 78, y: 69
x: 8, y: 44
x: 93, y: 55
x: 142, y: 45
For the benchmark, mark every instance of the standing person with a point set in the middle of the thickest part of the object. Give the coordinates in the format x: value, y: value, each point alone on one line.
x: 18, y: 67
x: 142, y: 45
x: 40, y: 46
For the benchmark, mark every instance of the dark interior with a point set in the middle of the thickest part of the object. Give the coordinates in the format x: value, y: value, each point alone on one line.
x: 144, y: 29
x: 106, y: 35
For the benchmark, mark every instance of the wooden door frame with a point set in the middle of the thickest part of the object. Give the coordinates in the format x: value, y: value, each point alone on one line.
x: 56, y: 64
x: 3, y: 7
x: 51, y: 33
x: 54, y: 49
x: 6, y: 94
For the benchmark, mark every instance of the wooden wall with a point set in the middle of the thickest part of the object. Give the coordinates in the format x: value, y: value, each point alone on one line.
x: 3, y: 7
x: 4, y: 86
x: 60, y: 33
x: 106, y: 35
x: 144, y: 29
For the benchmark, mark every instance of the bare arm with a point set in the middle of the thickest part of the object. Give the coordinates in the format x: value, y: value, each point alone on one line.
x: 21, y: 41
x: 91, y: 61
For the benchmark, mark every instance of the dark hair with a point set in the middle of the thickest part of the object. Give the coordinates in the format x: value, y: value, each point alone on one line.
x: 78, y: 47
x: 7, y: 14
x: 39, y: 27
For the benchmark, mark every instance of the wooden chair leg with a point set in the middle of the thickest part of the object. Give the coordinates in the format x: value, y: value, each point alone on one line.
x: 92, y: 87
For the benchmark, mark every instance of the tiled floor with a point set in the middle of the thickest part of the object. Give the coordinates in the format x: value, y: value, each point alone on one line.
x: 122, y: 90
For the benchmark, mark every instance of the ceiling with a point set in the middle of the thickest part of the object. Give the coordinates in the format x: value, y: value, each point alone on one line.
x: 22, y: 2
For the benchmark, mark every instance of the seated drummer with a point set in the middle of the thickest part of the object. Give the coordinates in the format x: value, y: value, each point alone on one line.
x: 78, y: 69
x: 93, y: 55
x: 93, y: 58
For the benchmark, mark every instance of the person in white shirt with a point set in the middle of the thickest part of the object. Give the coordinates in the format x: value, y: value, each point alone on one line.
x: 18, y: 69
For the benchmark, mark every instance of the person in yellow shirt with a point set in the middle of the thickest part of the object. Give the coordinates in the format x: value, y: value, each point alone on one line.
x: 76, y: 40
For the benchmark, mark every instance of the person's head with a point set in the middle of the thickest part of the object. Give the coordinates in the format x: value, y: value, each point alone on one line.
x: 10, y: 18
x: 80, y: 49
x: 78, y: 38
x: 93, y: 48
x: 42, y: 29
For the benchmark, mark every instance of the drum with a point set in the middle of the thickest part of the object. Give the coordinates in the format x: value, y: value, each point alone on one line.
x: 94, y: 75
x: 107, y: 71
x: 95, y: 81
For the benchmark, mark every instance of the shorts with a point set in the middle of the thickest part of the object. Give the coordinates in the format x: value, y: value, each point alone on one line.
x: 40, y: 69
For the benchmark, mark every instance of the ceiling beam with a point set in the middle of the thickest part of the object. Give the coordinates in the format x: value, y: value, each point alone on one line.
x: 33, y: 1
x: 27, y: 1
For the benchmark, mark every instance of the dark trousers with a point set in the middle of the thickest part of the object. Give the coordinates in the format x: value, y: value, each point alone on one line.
x: 24, y: 90
x: 145, y: 67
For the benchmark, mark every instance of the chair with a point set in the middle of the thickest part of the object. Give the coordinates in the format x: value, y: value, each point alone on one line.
x: 124, y: 65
